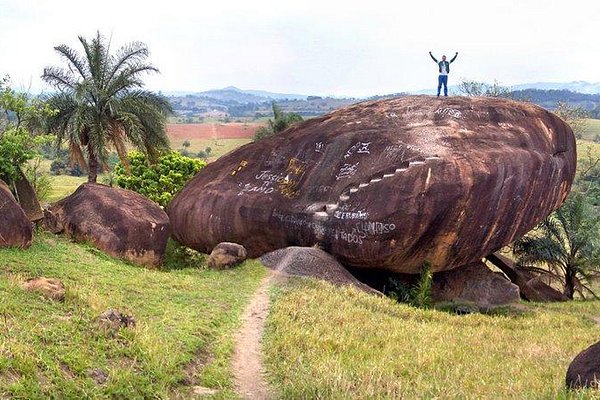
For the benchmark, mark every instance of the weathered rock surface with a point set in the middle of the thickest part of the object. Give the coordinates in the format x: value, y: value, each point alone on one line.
x: 387, y: 184
x: 584, y: 370
x: 120, y: 222
x: 474, y: 283
x: 226, y: 255
x: 530, y: 286
x: 311, y: 262
x: 51, y: 288
x: 15, y: 228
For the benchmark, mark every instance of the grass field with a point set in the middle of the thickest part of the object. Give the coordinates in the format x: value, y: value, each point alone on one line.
x: 591, y: 129
x: 183, y: 337
x: 326, y: 342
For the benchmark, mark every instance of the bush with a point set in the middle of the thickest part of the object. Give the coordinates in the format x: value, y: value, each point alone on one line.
x: 417, y: 295
x: 161, y: 181
x: 39, y: 180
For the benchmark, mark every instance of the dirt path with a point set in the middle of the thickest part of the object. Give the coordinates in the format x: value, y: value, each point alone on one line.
x: 247, y: 363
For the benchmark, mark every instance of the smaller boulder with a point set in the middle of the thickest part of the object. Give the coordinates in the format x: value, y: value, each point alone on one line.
x: 226, y: 255
x: 120, y: 222
x: 15, y: 227
x: 114, y: 320
x: 584, y: 370
x: 474, y: 283
x: 312, y: 262
x: 50, y: 288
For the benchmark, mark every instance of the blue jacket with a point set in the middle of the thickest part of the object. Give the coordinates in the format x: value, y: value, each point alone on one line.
x: 442, y: 63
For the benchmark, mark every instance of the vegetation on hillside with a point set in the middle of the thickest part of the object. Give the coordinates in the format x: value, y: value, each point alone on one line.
x: 101, y: 102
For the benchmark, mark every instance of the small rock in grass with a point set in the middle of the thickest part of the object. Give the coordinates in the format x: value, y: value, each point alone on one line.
x: 203, y: 391
x: 114, y: 320
x: 50, y: 288
x: 226, y: 255
x: 98, y: 376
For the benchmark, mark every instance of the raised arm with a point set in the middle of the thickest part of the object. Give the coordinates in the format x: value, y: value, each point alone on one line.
x: 454, y: 58
x: 434, y: 59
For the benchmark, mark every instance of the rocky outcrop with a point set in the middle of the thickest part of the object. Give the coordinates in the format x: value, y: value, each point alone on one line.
x: 474, y: 283
x: 15, y: 228
x: 311, y: 262
x: 120, y: 222
x: 387, y: 184
x: 531, y: 287
x: 226, y: 255
x: 584, y: 370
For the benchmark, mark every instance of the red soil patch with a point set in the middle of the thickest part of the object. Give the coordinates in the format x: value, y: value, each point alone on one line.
x: 212, y: 131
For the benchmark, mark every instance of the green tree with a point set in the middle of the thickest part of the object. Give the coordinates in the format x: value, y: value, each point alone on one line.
x: 280, y: 122
x: 575, y: 117
x: 20, y: 116
x: 565, y: 247
x: 101, y: 103
x: 159, y: 181
x: 475, y: 88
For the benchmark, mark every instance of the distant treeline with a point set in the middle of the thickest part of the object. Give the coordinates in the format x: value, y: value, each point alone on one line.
x: 550, y: 98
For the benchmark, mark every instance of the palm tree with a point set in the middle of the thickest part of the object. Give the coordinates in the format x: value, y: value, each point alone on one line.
x: 101, y: 103
x: 565, y: 247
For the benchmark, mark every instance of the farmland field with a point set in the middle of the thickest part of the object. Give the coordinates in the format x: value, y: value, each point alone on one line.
x: 233, y: 130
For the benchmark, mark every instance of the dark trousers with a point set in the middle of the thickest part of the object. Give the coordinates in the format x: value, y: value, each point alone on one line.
x: 443, y: 80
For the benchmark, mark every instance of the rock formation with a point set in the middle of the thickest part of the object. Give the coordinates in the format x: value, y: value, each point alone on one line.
x: 15, y: 228
x: 584, y: 370
x: 123, y: 223
x: 387, y: 184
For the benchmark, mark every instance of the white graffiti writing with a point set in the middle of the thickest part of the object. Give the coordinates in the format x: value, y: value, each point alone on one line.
x: 265, y: 188
x: 319, y: 147
x: 448, y: 111
x: 358, y: 148
x: 346, y: 171
x: 269, y: 176
x: 340, y: 214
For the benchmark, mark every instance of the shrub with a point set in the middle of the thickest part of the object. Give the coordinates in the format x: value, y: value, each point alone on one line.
x: 161, y: 181
x: 418, y: 294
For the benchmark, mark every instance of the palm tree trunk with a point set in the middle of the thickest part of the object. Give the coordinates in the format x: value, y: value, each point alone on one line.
x: 92, y: 165
x: 569, y: 283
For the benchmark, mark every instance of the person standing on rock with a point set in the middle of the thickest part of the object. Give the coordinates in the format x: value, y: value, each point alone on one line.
x: 444, y: 67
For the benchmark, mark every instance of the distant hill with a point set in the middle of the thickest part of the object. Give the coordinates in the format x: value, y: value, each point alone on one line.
x: 232, y: 93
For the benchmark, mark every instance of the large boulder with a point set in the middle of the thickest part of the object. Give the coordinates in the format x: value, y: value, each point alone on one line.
x: 15, y: 229
x: 387, y: 184
x: 584, y: 370
x: 120, y: 222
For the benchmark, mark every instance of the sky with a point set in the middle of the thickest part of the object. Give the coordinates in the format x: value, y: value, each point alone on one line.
x: 340, y: 48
